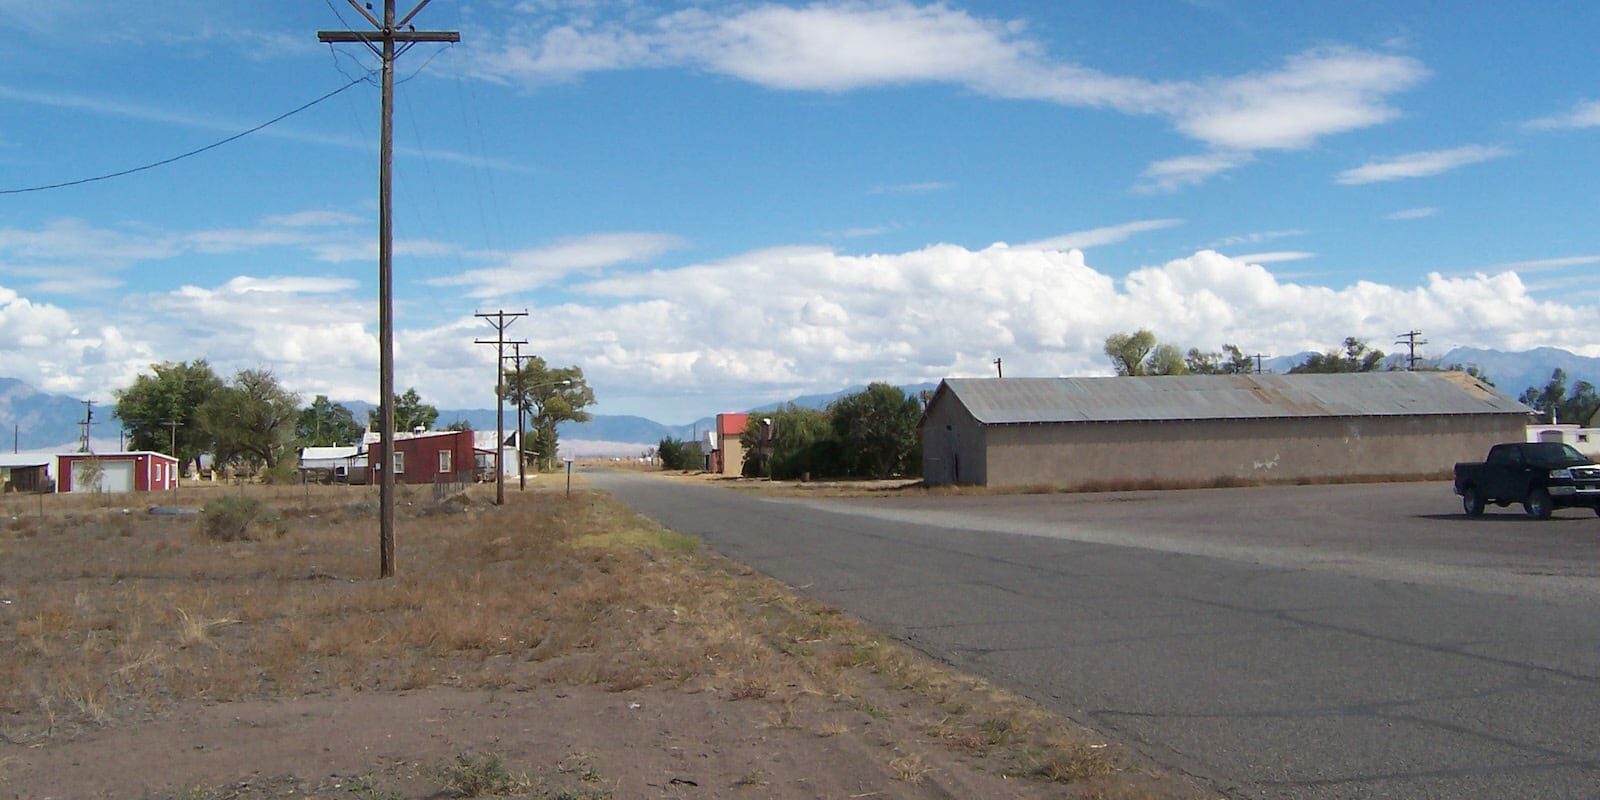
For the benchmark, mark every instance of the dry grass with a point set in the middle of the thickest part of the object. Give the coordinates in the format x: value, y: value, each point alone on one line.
x: 108, y: 615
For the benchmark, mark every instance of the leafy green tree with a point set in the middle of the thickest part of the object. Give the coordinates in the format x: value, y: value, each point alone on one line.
x: 1128, y: 351
x: 876, y: 430
x: 1231, y: 361
x: 459, y: 425
x: 789, y: 442
x: 1557, y: 403
x: 326, y: 424
x: 1166, y: 359
x: 174, y: 392
x: 251, y: 420
x: 678, y: 454
x: 410, y: 413
x: 1356, y: 357
x: 550, y: 396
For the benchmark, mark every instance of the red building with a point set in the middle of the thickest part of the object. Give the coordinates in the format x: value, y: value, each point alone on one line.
x: 728, y: 456
x: 427, y: 457
x: 141, y: 471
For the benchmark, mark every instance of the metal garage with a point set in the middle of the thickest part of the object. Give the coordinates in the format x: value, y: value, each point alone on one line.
x: 1210, y: 430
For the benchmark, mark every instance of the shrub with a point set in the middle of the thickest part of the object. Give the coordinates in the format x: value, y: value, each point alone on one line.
x: 236, y: 518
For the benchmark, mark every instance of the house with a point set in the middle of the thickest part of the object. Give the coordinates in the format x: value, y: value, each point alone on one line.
x: 1585, y: 439
x: 426, y: 457
x: 489, y: 454
x: 1203, y: 430
x: 727, y: 453
x: 330, y: 464
x: 137, y: 471
x: 26, y: 472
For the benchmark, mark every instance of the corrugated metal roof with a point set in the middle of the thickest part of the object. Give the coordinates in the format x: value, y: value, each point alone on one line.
x: 1001, y: 401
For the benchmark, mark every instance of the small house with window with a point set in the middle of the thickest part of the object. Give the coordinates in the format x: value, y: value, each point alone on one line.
x: 141, y: 471
x: 426, y: 457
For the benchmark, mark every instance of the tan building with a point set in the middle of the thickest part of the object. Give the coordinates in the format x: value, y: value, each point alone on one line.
x: 1210, y: 430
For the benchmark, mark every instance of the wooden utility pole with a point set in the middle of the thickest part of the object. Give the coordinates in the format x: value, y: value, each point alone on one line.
x: 516, y: 363
x: 1258, y: 357
x: 174, y: 425
x: 999, y: 369
x: 1410, y: 340
x: 382, y: 42
x: 500, y: 320
x: 88, y: 420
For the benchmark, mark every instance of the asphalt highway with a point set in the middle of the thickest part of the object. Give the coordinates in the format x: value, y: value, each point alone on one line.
x: 1295, y: 642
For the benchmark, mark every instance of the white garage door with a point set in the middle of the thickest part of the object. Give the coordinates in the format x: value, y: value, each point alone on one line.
x: 115, y: 476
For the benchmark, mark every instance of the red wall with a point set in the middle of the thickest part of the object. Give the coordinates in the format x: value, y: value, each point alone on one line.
x: 421, y: 454
x: 152, y: 472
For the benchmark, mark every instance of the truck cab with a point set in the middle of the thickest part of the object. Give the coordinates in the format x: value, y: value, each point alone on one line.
x: 1542, y: 476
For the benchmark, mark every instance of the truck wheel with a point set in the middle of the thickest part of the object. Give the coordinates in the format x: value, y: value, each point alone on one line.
x: 1472, y: 501
x: 1538, y: 504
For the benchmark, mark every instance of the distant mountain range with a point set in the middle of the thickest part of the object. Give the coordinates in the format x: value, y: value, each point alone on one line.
x: 42, y: 421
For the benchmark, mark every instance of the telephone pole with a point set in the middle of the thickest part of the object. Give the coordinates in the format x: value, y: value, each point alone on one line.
x: 382, y: 43
x: 500, y: 320
x: 88, y: 419
x: 175, y: 425
x: 1258, y: 357
x: 1409, y: 339
x: 516, y: 363
x: 999, y: 370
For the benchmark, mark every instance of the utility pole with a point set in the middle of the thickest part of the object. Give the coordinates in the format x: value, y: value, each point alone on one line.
x: 174, y: 425
x: 516, y: 363
x: 1409, y: 338
x: 382, y: 42
x: 88, y: 419
x: 499, y: 320
x: 1258, y: 357
x: 999, y: 371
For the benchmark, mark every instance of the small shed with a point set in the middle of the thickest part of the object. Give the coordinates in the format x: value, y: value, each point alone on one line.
x: 727, y: 457
x: 133, y: 471
x: 25, y: 472
x: 427, y: 457
x: 1210, y: 430
x: 329, y: 464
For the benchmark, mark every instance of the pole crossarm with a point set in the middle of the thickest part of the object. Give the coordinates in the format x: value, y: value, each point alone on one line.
x: 500, y: 320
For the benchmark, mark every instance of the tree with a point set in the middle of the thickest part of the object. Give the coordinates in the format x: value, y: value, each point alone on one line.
x: 1231, y: 361
x: 1355, y: 358
x: 251, y: 420
x: 1128, y: 351
x: 1166, y: 359
x: 789, y: 442
x: 876, y: 430
x: 410, y: 413
x: 1557, y: 403
x: 678, y: 454
x: 325, y: 424
x: 550, y: 396
x: 173, y: 393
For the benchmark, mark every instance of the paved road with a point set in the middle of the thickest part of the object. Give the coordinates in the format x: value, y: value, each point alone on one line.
x: 1295, y: 642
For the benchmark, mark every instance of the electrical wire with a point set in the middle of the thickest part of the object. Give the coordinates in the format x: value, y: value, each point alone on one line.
x: 195, y: 152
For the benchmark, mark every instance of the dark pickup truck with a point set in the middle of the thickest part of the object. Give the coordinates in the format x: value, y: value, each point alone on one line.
x: 1542, y: 476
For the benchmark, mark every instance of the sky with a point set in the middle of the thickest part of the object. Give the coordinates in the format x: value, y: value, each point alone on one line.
x: 709, y: 206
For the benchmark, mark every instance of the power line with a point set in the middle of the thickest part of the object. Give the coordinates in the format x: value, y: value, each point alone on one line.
x: 212, y: 146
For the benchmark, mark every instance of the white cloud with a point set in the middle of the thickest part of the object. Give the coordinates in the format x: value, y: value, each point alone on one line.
x: 526, y: 270
x: 1543, y: 264
x: 1255, y: 238
x: 1413, y: 213
x: 1420, y: 165
x: 1173, y: 174
x: 1276, y: 257
x: 1585, y: 114
x: 314, y: 219
x: 842, y: 46
x: 1096, y: 237
x: 912, y: 188
x: 661, y: 342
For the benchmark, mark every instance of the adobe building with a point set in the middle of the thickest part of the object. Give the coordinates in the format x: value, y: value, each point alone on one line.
x: 1210, y: 430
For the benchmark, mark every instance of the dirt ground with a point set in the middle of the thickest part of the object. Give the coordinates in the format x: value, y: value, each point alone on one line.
x: 658, y: 673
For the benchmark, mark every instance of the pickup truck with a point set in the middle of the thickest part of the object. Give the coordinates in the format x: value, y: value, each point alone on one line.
x: 1542, y: 476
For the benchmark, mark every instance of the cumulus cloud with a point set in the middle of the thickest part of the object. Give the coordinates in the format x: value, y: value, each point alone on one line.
x: 1585, y: 114
x: 843, y: 46
x: 1420, y: 165
x: 661, y: 341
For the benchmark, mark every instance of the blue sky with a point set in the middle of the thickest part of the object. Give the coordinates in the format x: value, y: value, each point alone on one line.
x: 709, y: 205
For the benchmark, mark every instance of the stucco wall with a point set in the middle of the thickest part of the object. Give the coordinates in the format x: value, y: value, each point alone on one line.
x: 1207, y: 452
x: 953, y: 448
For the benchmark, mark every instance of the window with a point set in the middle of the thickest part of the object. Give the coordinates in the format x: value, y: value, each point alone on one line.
x: 444, y: 462
x: 399, y: 463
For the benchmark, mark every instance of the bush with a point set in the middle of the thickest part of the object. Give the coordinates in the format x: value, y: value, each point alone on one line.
x: 236, y: 518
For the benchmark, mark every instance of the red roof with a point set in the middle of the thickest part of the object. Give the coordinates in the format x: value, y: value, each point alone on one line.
x: 731, y: 424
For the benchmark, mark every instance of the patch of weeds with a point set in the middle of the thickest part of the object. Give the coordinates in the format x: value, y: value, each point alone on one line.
x: 361, y: 787
x: 480, y: 776
x: 996, y: 732
x: 1068, y: 763
x: 755, y: 778
x: 865, y: 707
x: 240, y: 518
